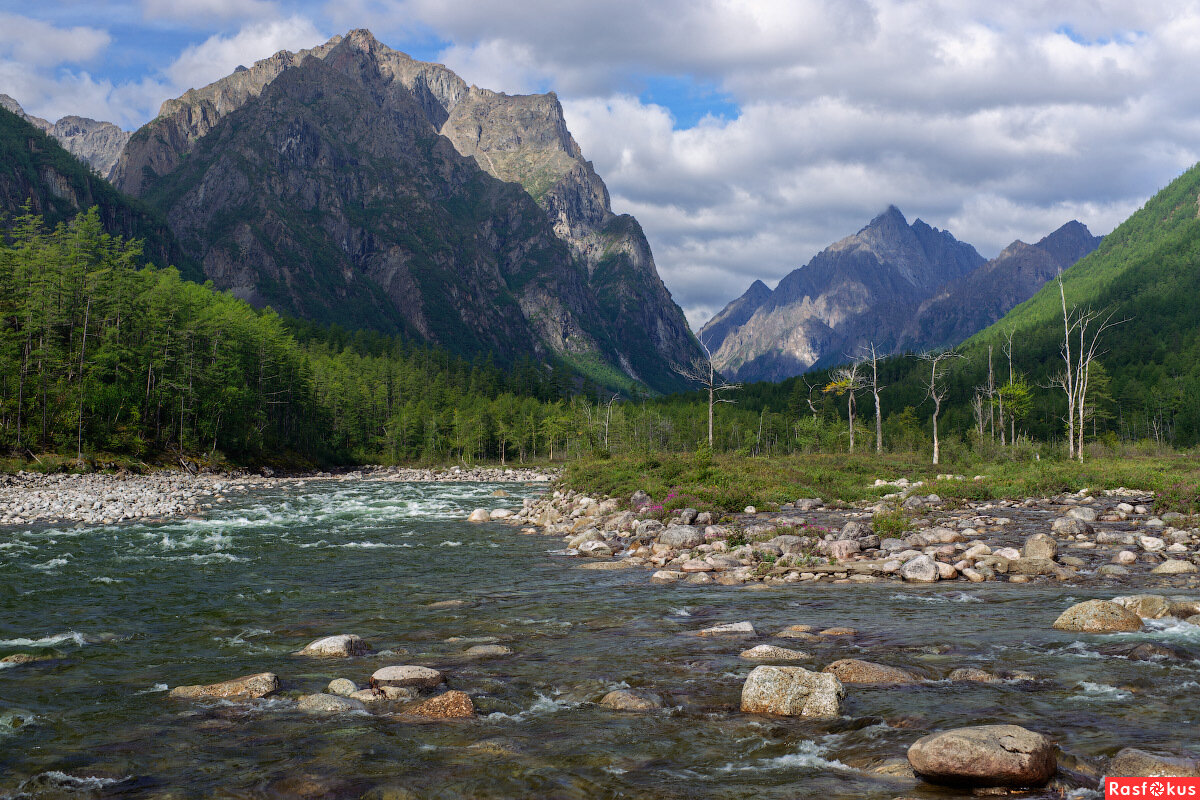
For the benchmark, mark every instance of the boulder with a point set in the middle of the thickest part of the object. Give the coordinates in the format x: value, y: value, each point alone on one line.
x: 418, y: 677
x: 1134, y: 763
x: 630, y: 700
x: 843, y: 549
x: 487, y: 651
x: 972, y: 674
x: 921, y: 569
x: 329, y: 704
x: 792, y: 691
x: 1146, y: 606
x: 1082, y: 513
x: 639, y: 500
x: 729, y: 629
x: 1070, y: 525
x: 855, y: 529
x: 1040, y: 545
x: 681, y: 537
x: 1098, y: 616
x: 595, y: 549
x: 1152, y: 544
x: 342, y: 687
x: 1175, y: 566
x: 248, y: 687
x: 445, y: 706
x: 985, y: 756
x: 479, y: 515
x: 342, y: 646
x: 852, y: 670
x: 770, y: 652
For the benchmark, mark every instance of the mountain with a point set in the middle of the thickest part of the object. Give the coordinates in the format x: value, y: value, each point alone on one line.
x: 352, y: 184
x: 966, y: 306
x: 848, y: 294
x: 34, y: 168
x: 97, y: 143
x: 734, y: 316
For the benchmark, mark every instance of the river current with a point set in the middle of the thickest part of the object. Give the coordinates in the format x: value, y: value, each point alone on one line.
x: 121, y: 613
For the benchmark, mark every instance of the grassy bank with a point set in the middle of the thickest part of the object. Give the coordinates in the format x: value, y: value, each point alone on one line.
x: 729, y: 482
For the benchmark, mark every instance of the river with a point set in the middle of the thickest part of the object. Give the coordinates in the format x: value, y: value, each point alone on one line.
x: 124, y: 612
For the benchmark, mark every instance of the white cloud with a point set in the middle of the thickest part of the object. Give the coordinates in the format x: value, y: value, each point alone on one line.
x: 217, y: 56
x: 39, y: 44
x: 203, y: 12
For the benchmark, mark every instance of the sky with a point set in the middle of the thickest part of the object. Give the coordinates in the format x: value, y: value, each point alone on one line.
x: 744, y: 136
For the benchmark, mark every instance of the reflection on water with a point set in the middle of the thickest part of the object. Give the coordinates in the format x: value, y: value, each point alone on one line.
x: 115, y: 615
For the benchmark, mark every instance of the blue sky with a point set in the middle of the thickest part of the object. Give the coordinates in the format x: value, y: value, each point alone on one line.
x: 745, y: 135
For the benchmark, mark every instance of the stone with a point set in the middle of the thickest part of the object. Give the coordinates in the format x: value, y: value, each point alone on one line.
x: 972, y: 674
x: 341, y: 687
x: 1175, y: 566
x: 248, y: 687
x: 500, y: 513
x: 487, y: 651
x: 1035, y: 566
x: 667, y: 576
x: 630, y: 700
x: 1098, y: 616
x: 1126, y: 557
x: 1082, y: 513
x: 921, y: 569
x: 1132, y: 762
x: 342, y: 646
x: 985, y: 756
x: 855, y: 529
x: 639, y: 500
x: 447, y: 705
x: 852, y: 670
x: 681, y: 537
x: 839, y: 631
x: 595, y: 549
x: 1040, y: 545
x: 407, y: 675
x: 973, y: 575
x: 1007, y: 553
x: 770, y: 652
x: 1071, y: 526
x: 729, y: 629
x: 1146, y: 606
x: 946, y: 572
x: 1151, y: 544
x: 480, y: 515
x: 329, y: 704
x: 843, y: 549
x: 792, y: 691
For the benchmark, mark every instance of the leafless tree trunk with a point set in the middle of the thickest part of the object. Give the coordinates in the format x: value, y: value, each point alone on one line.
x: 1068, y: 377
x: 937, y: 394
x: 870, y: 352
x: 849, y: 381
x: 701, y: 371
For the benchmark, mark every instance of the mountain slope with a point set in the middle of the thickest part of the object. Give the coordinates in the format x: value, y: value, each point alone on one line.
x: 734, y: 316
x: 350, y: 183
x: 34, y: 168
x: 97, y: 143
x: 845, y: 296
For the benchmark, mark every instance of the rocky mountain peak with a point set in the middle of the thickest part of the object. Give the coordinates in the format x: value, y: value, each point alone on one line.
x: 98, y: 144
x: 1070, y: 243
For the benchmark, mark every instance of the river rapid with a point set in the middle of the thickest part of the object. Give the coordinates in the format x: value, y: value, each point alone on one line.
x: 121, y: 613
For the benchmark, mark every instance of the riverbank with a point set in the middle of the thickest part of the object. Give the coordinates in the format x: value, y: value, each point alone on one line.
x: 110, y: 498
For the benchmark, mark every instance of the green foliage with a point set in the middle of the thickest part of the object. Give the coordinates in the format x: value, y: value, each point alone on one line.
x: 891, y: 524
x: 1181, y: 496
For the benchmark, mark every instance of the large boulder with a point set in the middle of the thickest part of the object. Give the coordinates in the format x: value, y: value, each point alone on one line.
x: 729, y: 629
x: 407, y: 675
x: 1071, y: 526
x: 1082, y: 513
x: 681, y: 537
x: 342, y: 646
x: 921, y: 569
x: 1040, y: 545
x: 445, y: 706
x: 1175, y: 566
x: 248, y: 687
x: 329, y: 704
x: 1098, y: 616
x: 792, y: 692
x: 985, y: 755
x: 855, y: 529
x: 770, y: 652
x: 1133, y: 763
x: 852, y: 670
x: 630, y: 700
x: 1146, y: 606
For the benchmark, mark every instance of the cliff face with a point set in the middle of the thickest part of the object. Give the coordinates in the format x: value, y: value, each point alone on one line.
x: 902, y: 287
x: 350, y: 183
x: 99, y: 144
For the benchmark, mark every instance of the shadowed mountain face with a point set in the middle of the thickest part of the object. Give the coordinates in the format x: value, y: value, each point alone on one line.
x: 844, y: 296
x: 352, y: 184
x: 96, y: 143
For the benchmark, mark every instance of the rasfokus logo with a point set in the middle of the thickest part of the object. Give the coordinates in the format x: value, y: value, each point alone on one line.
x: 1152, y: 787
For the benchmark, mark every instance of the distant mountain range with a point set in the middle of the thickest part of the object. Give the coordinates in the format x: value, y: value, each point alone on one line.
x: 902, y: 287
x: 351, y: 184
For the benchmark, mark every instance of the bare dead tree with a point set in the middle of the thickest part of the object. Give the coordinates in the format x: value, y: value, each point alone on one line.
x: 1007, y: 349
x: 848, y: 381
x: 935, y: 392
x: 871, y: 354
x: 811, y: 407
x: 1067, y: 379
x: 701, y: 371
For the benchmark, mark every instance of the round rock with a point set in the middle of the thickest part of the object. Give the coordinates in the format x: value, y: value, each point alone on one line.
x: 1098, y: 616
x: 418, y: 677
x: 852, y: 670
x: 770, y: 652
x: 630, y: 700
x: 792, y: 692
x: 985, y: 756
x: 342, y: 646
x: 342, y: 687
x: 328, y: 704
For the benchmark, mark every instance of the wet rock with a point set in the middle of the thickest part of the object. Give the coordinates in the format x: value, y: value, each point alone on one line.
x: 407, y: 675
x: 342, y: 687
x: 792, y: 691
x: 1035, y: 566
x: 1098, y: 616
x: 839, y: 631
x: 1148, y: 651
x: 595, y: 549
x: 342, y: 646
x: 1040, y: 545
x: 605, y: 566
x: 329, y: 704
x: 681, y: 537
x: 852, y: 670
x: 487, y: 651
x: 479, y: 515
x: 770, y: 652
x: 1126, y: 557
x: 1071, y: 526
x: 1184, y: 607
x: 1132, y: 762
x: 801, y: 632
x: 447, y: 705
x: 921, y: 569
x: 972, y: 674
x: 1112, y: 570
x: 22, y: 659
x: 1146, y: 606
x: 1174, y: 566
x: 248, y: 687
x: 984, y: 756
x: 729, y: 629
x: 1151, y: 544
x: 630, y: 700
x: 1082, y: 513
x: 667, y: 576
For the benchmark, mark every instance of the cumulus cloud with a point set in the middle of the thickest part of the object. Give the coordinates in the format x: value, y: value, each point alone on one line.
x: 203, y: 12
x: 219, y: 55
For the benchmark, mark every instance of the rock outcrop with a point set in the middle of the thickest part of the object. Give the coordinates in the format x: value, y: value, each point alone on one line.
x: 98, y: 144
